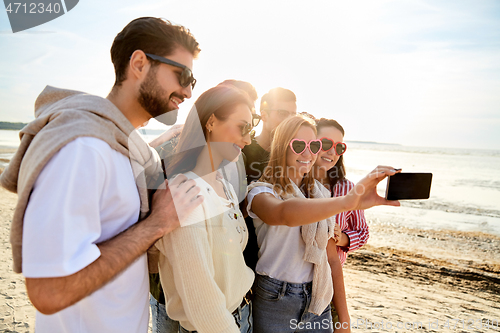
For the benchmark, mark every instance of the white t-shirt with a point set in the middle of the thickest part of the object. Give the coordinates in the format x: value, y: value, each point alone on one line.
x: 281, y: 248
x: 85, y: 194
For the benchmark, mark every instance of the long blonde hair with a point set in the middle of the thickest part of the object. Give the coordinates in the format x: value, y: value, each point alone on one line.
x: 276, y: 172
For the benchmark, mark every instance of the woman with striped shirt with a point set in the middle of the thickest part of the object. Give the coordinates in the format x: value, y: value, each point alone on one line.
x: 330, y: 171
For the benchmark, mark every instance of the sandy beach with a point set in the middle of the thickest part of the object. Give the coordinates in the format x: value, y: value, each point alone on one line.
x: 5, y: 155
x: 389, y: 285
x: 401, y: 277
x: 16, y: 312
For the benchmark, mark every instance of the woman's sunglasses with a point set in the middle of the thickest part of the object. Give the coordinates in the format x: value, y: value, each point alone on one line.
x: 327, y: 144
x: 245, y: 129
x: 244, y: 126
x: 298, y: 146
x: 186, y: 77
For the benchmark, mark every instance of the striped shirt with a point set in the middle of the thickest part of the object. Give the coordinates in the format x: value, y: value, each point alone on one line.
x: 352, y: 223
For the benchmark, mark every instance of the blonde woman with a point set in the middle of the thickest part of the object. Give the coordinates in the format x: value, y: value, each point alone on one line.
x: 297, y: 235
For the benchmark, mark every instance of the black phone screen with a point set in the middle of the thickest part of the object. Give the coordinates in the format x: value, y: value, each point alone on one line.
x: 408, y: 186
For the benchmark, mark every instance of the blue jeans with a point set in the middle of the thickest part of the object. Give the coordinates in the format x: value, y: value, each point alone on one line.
x: 161, y: 321
x: 242, y: 316
x: 282, y: 307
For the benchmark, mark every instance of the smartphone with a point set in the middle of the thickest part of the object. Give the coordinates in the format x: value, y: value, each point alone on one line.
x: 408, y: 186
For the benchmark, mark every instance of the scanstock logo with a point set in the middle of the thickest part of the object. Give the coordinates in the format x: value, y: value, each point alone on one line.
x: 24, y: 15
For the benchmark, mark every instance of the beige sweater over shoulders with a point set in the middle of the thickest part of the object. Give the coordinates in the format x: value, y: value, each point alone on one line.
x: 61, y: 117
x: 202, y: 269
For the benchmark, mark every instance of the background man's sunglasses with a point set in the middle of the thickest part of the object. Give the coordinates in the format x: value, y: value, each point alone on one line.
x: 186, y: 77
x: 255, y: 119
x: 327, y: 144
x: 299, y: 146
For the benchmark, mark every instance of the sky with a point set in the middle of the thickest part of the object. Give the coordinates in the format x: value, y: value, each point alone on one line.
x: 411, y: 72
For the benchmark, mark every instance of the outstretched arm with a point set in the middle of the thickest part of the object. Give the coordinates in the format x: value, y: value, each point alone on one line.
x: 299, y: 211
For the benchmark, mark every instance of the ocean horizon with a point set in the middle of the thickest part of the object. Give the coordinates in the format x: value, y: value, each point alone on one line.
x: 465, y: 191
x: 10, y: 139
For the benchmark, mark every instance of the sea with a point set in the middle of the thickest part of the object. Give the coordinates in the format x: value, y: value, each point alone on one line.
x: 465, y: 191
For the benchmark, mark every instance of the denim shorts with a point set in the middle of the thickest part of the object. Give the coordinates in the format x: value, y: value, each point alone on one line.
x: 243, y: 317
x: 282, y: 307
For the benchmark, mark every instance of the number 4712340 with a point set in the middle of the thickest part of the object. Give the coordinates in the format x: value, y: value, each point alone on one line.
x: 32, y: 8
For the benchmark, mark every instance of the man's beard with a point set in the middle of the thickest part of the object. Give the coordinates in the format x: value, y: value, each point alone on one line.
x: 154, y: 100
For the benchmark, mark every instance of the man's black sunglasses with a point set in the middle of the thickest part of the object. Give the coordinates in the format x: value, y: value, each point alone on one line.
x: 186, y: 77
x: 255, y: 119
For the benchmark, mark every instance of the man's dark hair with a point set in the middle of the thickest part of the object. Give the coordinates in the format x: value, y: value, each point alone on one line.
x: 274, y: 95
x: 151, y: 35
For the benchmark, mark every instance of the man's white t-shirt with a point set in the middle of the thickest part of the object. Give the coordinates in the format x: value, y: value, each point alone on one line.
x: 85, y: 195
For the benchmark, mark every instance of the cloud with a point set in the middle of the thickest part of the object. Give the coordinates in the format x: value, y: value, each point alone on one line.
x: 372, y: 65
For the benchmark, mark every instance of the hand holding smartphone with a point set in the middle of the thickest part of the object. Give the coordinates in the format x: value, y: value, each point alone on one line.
x: 408, y: 186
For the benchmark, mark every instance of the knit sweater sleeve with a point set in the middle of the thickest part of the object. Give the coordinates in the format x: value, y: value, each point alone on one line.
x: 189, y: 252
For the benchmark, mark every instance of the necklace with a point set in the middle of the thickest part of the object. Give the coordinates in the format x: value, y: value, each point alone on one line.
x: 233, y: 215
x: 229, y: 196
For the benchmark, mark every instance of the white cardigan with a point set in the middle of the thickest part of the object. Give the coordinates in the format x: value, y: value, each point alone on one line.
x: 202, y: 269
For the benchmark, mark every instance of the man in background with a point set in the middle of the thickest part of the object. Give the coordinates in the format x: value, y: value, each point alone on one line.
x: 275, y: 106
